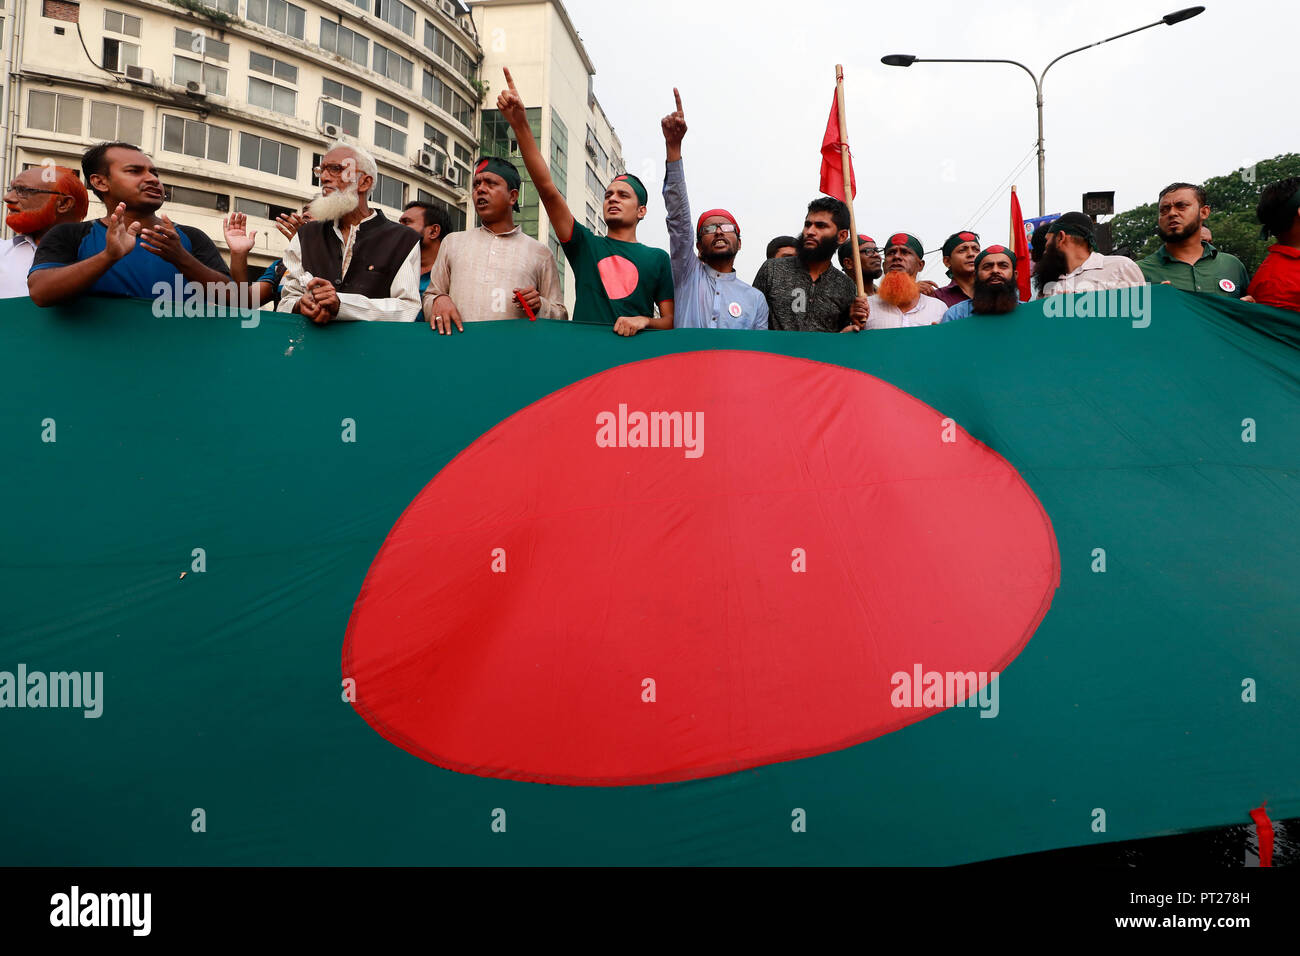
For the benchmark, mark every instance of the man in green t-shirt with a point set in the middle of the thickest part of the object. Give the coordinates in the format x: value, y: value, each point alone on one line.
x: 620, y: 281
x: 1185, y: 260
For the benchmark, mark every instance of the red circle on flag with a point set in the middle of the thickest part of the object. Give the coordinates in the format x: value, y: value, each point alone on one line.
x: 567, y: 603
x: 619, y: 276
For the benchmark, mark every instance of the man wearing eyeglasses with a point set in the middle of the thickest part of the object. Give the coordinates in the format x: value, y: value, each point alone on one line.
x: 869, y: 256
x: 707, y: 292
x: 37, y: 200
x: 350, y: 262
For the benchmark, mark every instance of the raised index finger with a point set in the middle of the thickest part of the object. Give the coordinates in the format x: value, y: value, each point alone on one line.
x: 678, y: 97
x: 510, y: 82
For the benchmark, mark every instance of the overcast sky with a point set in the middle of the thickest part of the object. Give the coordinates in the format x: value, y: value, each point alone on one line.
x: 932, y: 142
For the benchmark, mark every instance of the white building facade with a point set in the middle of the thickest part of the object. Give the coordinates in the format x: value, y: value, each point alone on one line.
x: 236, y: 100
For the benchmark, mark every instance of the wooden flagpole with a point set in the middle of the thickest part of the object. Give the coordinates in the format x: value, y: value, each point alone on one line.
x: 848, y: 182
x: 1011, y: 233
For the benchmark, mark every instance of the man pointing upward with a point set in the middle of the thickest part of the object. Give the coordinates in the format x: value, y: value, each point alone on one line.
x: 620, y: 281
x: 709, y: 295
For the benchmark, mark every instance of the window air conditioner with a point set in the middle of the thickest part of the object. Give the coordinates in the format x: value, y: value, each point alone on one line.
x: 140, y: 74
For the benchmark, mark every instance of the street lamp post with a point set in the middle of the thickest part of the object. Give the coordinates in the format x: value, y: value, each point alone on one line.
x: 905, y: 59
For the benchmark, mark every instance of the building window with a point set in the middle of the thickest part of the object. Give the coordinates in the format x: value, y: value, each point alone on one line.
x: 118, y: 55
x: 196, y: 139
x: 396, y: 13
x: 435, y: 136
x: 54, y: 112
x: 225, y: 6
x: 185, y: 70
x: 260, y: 63
x: 267, y: 155
x: 464, y: 155
x: 442, y: 46
x: 272, y: 96
x: 387, y: 137
x: 341, y: 91
x: 186, y: 196
x: 279, y: 16
x: 203, y: 45
x: 112, y: 123
x: 391, y: 114
x: 117, y: 22
x: 262, y: 210
x: 389, y: 192
x: 559, y: 153
x: 337, y: 38
x: 593, y: 182
x: 394, y: 66
x: 346, y: 120
x: 442, y: 96
x: 393, y: 140
x: 591, y: 217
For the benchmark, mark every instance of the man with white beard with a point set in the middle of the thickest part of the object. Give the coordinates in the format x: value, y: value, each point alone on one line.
x: 351, y: 262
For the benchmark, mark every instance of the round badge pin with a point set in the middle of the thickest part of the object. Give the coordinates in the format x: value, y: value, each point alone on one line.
x: 1227, y: 285
x: 734, y: 309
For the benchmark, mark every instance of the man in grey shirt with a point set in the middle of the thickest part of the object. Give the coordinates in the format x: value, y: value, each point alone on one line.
x: 804, y: 293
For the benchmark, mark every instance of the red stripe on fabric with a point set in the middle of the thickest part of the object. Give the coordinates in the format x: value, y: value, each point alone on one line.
x: 1264, y: 831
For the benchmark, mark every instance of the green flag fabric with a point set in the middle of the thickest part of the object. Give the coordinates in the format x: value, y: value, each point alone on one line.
x: 202, y: 514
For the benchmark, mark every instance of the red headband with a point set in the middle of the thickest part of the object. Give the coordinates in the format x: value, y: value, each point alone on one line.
x: 699, y: 223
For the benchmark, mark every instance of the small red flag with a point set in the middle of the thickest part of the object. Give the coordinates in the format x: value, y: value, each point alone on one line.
x: 1264, y: 832
x: 832, y: 169
x: 1020, y: 245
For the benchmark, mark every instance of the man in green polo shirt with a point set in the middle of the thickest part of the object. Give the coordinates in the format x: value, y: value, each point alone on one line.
x: 1185, y: 261
x: 620, y: 281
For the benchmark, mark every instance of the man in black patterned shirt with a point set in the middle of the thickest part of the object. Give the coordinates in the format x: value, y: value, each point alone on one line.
x: 804, y: 293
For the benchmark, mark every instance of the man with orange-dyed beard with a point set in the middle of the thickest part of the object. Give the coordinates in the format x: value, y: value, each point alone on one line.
x: 898, y: 302
x: 37, y: 200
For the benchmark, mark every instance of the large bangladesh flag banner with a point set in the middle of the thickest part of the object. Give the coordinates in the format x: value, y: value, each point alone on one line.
x: 540, y: 594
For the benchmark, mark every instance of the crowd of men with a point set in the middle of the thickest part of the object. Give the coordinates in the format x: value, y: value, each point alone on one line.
x: 346, y: 261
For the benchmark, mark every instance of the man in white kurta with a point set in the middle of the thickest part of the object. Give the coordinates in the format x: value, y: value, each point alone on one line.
x: 493, y: 271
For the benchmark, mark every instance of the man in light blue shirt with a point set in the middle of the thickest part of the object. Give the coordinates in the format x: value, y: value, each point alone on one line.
x: 995, y: 290
x: 707, y: 292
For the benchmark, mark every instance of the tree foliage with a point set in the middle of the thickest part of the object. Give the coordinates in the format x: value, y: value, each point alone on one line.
x: 1232, y: 199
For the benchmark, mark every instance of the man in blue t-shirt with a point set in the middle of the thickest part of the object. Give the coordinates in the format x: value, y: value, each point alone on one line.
x: 132, y: 249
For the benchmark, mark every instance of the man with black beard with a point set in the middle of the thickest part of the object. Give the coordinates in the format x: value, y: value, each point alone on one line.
x: 1187, y: 261
x: 1071, y: 263
x: 995, y: 291
x: 37, y: 200
x: 804, y: 292
x: 869, y: 256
